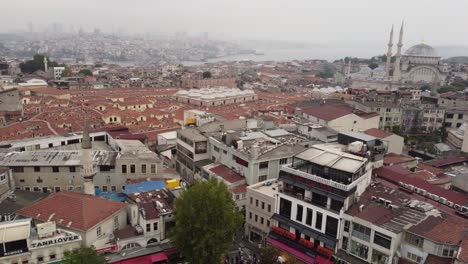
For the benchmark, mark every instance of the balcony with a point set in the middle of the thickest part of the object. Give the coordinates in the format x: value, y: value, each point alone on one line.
x: 318, y: 179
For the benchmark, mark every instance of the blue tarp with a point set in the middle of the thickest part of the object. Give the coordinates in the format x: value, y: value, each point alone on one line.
x: 114, y: 196
x: 144, y: 186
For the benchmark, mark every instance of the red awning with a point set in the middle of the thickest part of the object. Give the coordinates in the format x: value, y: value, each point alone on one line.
x: 158, y: 257
x: 298, y: 254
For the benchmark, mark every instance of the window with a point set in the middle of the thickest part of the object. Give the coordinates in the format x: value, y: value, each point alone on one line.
x: 269, y: 208
x: 262, y: 178
x: 336, y: 205
x: 251, y: 200
x: 318, y: 221
x: 113, y: 188
x: 379, y: 257
x: 155, y: 226
x: 143, y: 168
x: 72, y: 169
x: 347, y: 224
x: 237, y: 197
x: 283, y: 161
x: 148, y: 227
x: 104, y: 188
x: 21, y: 180
x: 263, y: 205
x: 52, y: 256
x: 55, y: 169
x: 299, y: 212
x: 445, y: 250
x: 256, y: 202
x: 153, y: 168
x: 268, y: 223
x: 98, y: 231
x: 36, y: 189
x: 359, y: 250
x: 361, y: 232
x: 18, y: 169
x: 285, y: 208
x: 382, y: 240
x: 320, y: 200
x: 256, y: 218
x: 414, y: 257
x: 414, y: 240
x: 37, y: 169
x: 216, y: 148
x: 331, y: 226
x: 309, y: 217
x: 40, y: 259
x: 261, y: 220
x: 70, y: 188
x: 250, y: 215
x: 344, y: 243
x: 132, y: 168
x: 57, y: 188
x: 224, y: 152
x: 263, y: 165
x: 124, y: 168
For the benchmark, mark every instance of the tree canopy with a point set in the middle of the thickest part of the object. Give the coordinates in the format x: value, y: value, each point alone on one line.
x: 268, y: 255
x: 83, y: 255
x: 327, y: 71
x: 373, y: 65
x: 37, y: 63
x: 206, y: 221
x: 206, y: 75
x: 86, y: 72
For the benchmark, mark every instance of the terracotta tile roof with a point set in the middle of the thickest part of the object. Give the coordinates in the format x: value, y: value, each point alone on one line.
x: 79, y: 210
x: 396, y: 174
x: 447, y: 229
x: 447, y: 161
x: 327, y: 112
x: 463, y: 251
x: 239, y: 189
x: 392, y: 158
x: 126, y: 232
x: 432, y: 259
x: 378, y: 133
x: 432, y: 169
x: 226, y: 173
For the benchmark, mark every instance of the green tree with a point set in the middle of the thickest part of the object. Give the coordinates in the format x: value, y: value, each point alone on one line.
x: 206, y: 75
x: 327, y: 71
x: 86, y: 72
x: 426, y: 87
x: 268, y: 255
x: 373, y: 65
x: 83, y: 255
x: 206, y: 221
x: 450, y: 88
x: 37, y: 63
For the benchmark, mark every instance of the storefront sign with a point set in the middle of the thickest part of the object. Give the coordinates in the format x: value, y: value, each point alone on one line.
x: 53, y: 241
x: 106, y: 249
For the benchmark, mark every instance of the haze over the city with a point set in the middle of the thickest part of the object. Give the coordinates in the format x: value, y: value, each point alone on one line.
x: 361, y: 26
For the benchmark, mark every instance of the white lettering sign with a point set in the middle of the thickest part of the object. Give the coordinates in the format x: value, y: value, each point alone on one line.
x: 53, y: 241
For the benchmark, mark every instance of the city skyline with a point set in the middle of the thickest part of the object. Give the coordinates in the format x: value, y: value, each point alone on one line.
x: 333, y: 23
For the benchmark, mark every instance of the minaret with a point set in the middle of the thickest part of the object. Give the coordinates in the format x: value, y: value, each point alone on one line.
x: 396, y: 69
x: 348, y: 70
x: 45, y: 64
x: 89, y: 169
x: 389, y: 55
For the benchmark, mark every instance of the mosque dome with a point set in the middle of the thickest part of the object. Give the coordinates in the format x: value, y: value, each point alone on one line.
x: 421, y: 50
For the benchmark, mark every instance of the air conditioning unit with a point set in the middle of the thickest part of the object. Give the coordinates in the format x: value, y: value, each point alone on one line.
x: 411, y: 187
x: 457, y: 207
x: 443, y: 200
x: 401, y: 184
x: 450, y: 203
x: 423, y: 192
x: 373, y: 198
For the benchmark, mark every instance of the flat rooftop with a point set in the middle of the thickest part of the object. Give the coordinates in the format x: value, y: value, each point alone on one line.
x: 332, y: 158
x: 23, y: 199
x: 54, y: 158
x: 96, y: 145
x: 268, y: 187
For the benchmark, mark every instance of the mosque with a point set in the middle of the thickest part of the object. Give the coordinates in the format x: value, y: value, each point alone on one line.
x: 419, y: 65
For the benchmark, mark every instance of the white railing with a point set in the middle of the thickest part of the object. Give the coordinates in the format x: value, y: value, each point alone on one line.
x: 318, y: 179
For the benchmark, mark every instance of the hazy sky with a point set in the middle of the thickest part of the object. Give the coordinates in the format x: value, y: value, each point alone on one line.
x: 333, y: 22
